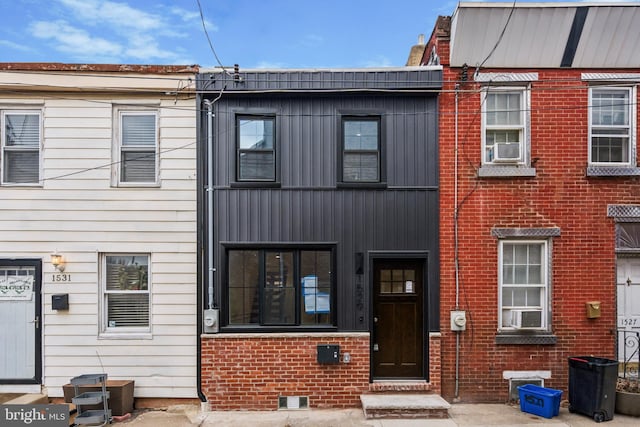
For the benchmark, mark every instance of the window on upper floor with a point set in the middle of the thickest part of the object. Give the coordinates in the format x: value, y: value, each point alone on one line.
x: 612, y: 126
x: 523, y: 284
x: 136, y: 159
x: 256, y: 148
x: 125, y: 293
x: 505, y: 133
x: 361, y: 154
x: 21, y: 143
x: 284, y: 288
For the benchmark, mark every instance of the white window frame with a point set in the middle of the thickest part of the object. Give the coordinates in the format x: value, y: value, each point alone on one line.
x: 107, y: 331
x: 631, y: 112
x: 544, y: 286
x: 119, y: 147
x: 522, y: 128
x: 4, y: 148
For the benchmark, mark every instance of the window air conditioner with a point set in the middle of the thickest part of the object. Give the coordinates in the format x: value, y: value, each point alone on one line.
x: 507, y: 152
x: 526, y: 319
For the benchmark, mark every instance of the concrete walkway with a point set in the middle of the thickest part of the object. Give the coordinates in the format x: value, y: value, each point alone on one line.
x: 460, y: 415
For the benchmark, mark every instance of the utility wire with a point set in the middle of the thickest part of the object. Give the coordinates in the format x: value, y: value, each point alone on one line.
x: 504, y: 29
x: 206, y: 33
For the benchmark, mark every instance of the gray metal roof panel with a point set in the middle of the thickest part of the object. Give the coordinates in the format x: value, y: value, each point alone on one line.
x: 534, y: 37
x: 610, y: 38
x: 398, y: 79
x: 537, y: 33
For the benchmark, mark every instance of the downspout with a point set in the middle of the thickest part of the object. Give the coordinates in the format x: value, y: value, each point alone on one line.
x: 210, y: 268
x: 455, y: 238
x: 210, y: 316
x: 201, y: 396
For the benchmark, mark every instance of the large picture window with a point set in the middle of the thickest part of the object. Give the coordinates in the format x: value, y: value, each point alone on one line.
x: 611, y: 128
x: 256, y: 148
x: 126, y: 294
x: 361, y: 150
x: 280, y: 287
x: 21, y: 141
x: 523, y: 285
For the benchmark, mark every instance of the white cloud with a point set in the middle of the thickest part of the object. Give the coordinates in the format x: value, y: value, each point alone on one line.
x: 378, y: 62
x: 15, y: 46
x: 266, y: 65
x: 190, y: 17
x: 74, y: 41
x: 120, y: 15
x: 112, y: 31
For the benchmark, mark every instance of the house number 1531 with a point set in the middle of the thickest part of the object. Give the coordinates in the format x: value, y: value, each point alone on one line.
x: 60, y: 277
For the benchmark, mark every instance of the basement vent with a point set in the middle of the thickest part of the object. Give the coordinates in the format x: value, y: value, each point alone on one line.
x: 514, y: 383
x: 293, y: 402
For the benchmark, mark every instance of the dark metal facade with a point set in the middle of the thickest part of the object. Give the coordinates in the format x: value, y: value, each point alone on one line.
x: 307, y: 204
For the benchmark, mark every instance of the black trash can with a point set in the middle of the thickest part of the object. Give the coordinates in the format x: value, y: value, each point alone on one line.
x: 592, y: 386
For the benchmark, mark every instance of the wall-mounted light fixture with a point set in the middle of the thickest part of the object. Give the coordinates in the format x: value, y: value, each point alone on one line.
x: 58, y: 262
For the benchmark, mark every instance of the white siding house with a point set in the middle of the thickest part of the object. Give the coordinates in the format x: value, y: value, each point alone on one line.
x: 98, y: 167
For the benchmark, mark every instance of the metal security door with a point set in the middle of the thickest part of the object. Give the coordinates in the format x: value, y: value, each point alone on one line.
x: 628, y: 290
x: 20, y: 335
x: 398, y: 320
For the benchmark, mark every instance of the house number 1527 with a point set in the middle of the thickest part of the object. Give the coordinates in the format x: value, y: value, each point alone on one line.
x: 60, y: 277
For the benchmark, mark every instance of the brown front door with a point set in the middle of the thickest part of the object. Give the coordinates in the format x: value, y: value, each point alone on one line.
x: 398, y: 319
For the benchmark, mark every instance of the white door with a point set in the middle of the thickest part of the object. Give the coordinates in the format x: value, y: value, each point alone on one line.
x: 628, y: 290
x: 20, y: 320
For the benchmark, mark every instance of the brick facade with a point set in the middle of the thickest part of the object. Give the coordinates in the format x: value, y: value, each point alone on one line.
x: 561, y: 195
x: 250, y: 371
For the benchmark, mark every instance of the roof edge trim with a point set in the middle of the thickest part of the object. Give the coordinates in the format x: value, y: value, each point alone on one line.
x: 630, y: 77
x: 506, y: 77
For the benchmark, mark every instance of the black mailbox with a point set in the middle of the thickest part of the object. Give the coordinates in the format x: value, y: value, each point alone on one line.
x: 328, y: 353
x: 60, y: 301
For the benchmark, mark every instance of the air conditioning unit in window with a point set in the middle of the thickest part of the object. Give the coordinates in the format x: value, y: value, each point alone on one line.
x: 526, y: 319
x: 507, y: 152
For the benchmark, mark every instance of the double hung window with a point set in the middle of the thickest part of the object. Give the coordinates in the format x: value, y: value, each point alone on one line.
x: 126, y: 292
x: 611, y: 126
x: 21, y: 142
x: 256, y: 148
x: 361, y: 150
x: 523, y: 285
x: 504, y: 126
x: 137, y: 158
x: 280, y: 287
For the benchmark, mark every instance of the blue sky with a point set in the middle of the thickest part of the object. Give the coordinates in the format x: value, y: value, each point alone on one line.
x: 252, y: 33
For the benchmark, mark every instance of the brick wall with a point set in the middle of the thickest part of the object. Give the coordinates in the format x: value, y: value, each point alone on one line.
x: 250, y: 371
x: 560, y: 195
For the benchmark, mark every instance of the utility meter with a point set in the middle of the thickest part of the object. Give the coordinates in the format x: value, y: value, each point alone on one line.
x: 211, y: 321
x: 458, y: 320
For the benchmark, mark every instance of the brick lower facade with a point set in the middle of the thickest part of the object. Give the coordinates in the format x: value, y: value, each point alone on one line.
x: 250, y: 371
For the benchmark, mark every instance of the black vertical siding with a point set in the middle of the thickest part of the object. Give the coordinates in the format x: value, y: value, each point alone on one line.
x: 307, y: 205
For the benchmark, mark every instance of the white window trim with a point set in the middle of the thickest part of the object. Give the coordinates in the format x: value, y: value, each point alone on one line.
x: 5, y: 111
x: 105, y: 332
x: 632, y: 126
x: 116, y: 169
x: 525, y: 111
x: 546, y: 299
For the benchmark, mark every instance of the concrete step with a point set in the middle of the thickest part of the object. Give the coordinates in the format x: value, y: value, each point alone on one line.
x: 404, y: 405
x: 29, y: 399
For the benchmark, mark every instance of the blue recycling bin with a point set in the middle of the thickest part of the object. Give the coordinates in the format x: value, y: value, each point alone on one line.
x: 541, y: 401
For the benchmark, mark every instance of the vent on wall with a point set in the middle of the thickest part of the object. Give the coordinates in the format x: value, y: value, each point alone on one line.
x: 514, y: 383
x: 293, y: 402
